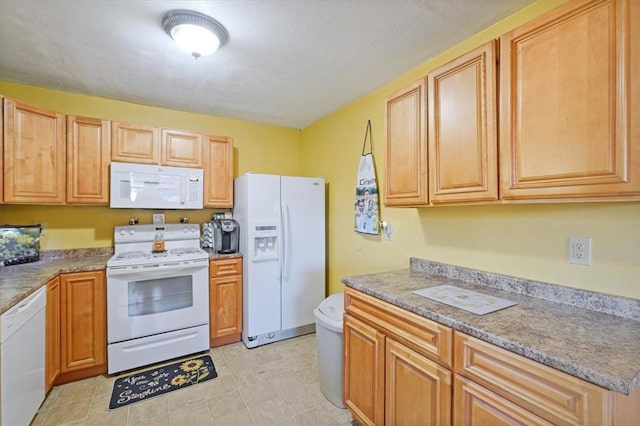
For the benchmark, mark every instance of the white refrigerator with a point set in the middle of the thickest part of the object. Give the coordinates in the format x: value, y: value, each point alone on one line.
x: 282, y: 239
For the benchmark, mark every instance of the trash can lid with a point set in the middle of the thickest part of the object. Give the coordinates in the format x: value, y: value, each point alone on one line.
x: 333, y: 306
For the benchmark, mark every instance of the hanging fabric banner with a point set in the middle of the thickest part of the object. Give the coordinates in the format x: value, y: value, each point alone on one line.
x: 366, y: 206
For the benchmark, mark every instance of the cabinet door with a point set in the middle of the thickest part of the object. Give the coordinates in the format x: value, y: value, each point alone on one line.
x: 181, y: 149
x: 88, y: 152
x: 417, y: 390
x: 363, y: 371
x: 33, y: 154
x: 550, y: 394
x: 477, y: 406
x: 463, y: 137
x: 52, y: 329
x: 84, y: 341
x: 568, y: 128
x: 405, y: 154
x: 218, y: 172
x: 225, y: 310
x: 134, y: 143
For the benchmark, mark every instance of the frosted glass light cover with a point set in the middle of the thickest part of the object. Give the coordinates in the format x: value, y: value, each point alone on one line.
x: 195, y: 40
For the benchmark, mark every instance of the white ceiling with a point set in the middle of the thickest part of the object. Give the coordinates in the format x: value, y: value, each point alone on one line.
x: 287, y: 62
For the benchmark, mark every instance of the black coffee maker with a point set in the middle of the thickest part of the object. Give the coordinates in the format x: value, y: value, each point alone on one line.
x: 226, y: 236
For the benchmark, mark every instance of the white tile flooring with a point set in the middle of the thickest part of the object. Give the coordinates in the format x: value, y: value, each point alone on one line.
x: 275, y: 384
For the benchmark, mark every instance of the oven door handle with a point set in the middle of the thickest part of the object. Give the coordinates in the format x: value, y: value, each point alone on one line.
x: 156, y: 269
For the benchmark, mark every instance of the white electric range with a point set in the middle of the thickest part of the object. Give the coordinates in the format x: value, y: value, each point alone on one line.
x: 157, y: 301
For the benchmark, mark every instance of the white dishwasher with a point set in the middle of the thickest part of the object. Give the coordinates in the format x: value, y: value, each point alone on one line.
x: 22, y: 355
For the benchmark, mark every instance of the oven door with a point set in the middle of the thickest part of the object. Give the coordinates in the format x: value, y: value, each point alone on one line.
x: 156, y: 300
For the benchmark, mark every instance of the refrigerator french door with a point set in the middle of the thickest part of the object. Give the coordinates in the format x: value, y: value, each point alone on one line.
x: 282, y: 222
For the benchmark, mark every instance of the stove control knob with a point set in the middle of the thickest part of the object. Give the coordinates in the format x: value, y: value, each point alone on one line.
x: 132, y: 231
x: 123, y: 232
x: 185, y: 229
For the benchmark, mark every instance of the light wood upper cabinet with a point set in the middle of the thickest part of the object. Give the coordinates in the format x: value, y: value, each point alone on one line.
x: 218, y: 175
x: 181, y: 149
x: 84, y: 321
x: 463, y: 137
x: 225, y: 301
x: 135, y: 143
x: 88, y: 153
x: 569, y: 102
x: 405, y: 153
x: 52, y: 333
x: 34, y: 157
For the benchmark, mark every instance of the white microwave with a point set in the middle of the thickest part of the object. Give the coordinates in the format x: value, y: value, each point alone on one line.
x: 143, y: 186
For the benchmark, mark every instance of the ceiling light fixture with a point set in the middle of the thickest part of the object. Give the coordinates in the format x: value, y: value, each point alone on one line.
x: 193, y: 32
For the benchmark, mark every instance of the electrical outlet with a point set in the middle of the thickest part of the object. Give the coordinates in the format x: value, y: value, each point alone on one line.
x: 580, y: 251
x: 158, y: 218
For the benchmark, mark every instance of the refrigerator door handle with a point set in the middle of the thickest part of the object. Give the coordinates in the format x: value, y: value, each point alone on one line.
x: 287, y: 231
x: 280, y: 244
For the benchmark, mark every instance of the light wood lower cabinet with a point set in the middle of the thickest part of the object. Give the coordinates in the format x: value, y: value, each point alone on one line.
x: 225, y: 301
x: 83, y: 325
x: 390, y: 371
x: 403, y: 369
x: 52, y: 333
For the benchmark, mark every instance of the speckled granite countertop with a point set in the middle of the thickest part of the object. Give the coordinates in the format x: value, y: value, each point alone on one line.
x: 593, y: 336
x: 19, y: 281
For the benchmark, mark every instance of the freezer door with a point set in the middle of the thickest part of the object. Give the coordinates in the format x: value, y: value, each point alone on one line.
x: 261, y: 310
x: 303, y: 249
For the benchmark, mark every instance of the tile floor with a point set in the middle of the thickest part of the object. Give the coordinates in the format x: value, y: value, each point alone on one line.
x: 275, y: 384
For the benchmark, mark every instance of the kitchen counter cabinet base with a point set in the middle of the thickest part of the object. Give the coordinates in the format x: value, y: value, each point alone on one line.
x: 83, y: 350
x: 225, y: 301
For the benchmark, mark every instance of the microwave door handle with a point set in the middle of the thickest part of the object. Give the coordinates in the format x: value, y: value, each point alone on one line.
x: 183, y: 195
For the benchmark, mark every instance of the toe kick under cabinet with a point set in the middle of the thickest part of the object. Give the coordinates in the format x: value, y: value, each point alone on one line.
x: 403, y: 369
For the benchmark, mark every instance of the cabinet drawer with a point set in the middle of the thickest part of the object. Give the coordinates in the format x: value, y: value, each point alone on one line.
x: 554, y: 396
x: 424, y: 336
x: 225, y: 267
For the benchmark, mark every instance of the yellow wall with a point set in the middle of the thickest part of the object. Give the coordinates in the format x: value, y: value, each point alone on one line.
x: 257, y: 147
x: 528, y: 241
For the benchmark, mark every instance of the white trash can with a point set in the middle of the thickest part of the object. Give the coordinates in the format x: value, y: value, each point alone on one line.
x: 329, y: 339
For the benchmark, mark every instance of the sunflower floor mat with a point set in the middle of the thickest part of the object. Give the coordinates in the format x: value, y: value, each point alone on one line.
x: 143, y: 385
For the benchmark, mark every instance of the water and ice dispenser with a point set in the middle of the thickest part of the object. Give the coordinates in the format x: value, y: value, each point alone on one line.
x: 265, y: 241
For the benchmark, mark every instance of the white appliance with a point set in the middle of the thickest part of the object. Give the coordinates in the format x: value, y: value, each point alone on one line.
x: 22, y: 353
x: 283, y: 243
x: 157, y: 301
x: 145, y: 186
